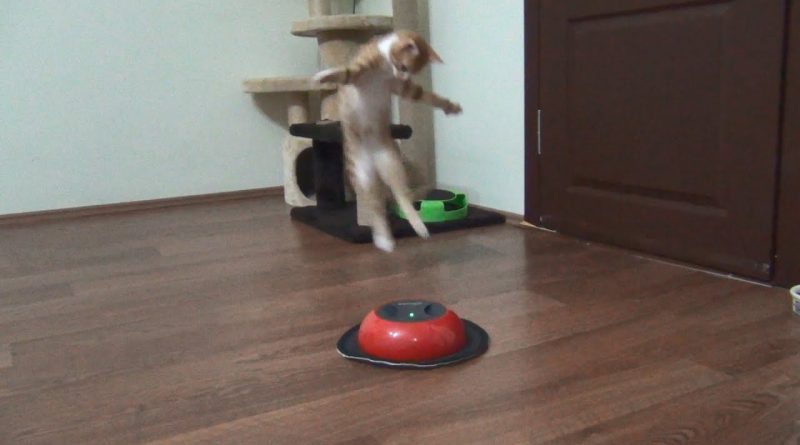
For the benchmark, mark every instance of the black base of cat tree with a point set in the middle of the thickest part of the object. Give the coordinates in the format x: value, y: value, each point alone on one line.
x: 342, y: 222
x: 333, y: 215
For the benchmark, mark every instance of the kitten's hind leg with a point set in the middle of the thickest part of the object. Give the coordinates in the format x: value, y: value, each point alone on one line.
x: 382, y: 235
x: 369, y: 192
x: 392, y: 173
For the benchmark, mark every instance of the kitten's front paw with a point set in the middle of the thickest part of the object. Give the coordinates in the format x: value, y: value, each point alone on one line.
x: 452, y: 108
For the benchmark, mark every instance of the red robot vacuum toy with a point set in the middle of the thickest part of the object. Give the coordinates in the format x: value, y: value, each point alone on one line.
x: 413, y: 334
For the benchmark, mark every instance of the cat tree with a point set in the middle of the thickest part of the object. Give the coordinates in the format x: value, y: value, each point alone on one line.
x: 338, y: 37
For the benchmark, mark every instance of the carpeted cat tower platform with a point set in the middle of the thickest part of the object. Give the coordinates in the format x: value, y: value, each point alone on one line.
x: 335, y: 216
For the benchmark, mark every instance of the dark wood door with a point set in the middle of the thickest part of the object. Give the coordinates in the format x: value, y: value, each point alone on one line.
x: 659, y: 126
x: 788, y: 236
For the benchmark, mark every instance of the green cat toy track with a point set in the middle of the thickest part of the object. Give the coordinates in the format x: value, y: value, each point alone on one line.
x: 439, y: 206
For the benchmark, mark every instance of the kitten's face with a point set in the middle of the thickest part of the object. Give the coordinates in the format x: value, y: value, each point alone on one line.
x: 410, y: 53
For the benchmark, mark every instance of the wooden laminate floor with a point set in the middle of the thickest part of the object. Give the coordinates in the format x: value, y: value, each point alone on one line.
x: 217, y: 323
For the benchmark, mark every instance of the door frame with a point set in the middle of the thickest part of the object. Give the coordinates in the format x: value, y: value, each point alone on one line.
x: 533, y: 197
x: 787, y: 227
x: 786, y: 260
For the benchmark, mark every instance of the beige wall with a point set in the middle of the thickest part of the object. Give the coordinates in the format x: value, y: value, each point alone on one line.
x: 120, y: 101
x: 115, y: 101
x: 482, y: 150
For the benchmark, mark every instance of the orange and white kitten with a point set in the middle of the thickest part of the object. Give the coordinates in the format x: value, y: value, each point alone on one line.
x: 381, y: 68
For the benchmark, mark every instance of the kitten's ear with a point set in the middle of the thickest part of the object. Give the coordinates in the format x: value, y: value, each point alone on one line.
x: 432, y: 56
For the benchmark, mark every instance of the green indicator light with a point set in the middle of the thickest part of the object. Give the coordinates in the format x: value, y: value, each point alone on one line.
x: 411, y: 314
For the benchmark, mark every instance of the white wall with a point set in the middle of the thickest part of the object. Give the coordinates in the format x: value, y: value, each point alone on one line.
x: 115, y: 101
x: 119, y: 101
x: 482, y: 150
